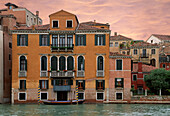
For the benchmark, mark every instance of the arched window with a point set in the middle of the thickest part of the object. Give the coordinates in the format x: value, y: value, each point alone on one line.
x: 80, y: 63
x: 54, y: 63
x: 43, y: 63
x: 62, y: 63
x: 23, y: 63
x: 100, y: 63
x: 70, y: 63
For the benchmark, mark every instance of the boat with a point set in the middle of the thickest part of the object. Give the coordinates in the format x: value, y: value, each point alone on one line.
x: 51, y: 102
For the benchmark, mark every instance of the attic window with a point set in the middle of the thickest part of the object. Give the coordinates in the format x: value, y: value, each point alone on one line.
x: 55, y: 24
x: 151, y: 41
x: 69, y: 23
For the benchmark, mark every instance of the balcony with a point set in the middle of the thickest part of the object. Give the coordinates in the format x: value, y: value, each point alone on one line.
x: 100, y: 73
x: 144, y: 55
x: 43, y: 74
x: 62, y: 88
x: 80, y: 73
x: 62, y: 74
x: 22, y: 74
x: 62, y: 47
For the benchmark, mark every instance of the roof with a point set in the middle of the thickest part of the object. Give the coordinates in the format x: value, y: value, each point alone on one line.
x: 119, y: 37
x: 118, y: 55
x: 143, y: 44
x: 83, y: 26
x: 10, y: 4
x: 162, y: 37
x: 93, y: 23
x: 37, y: 27
x: 145, y: 68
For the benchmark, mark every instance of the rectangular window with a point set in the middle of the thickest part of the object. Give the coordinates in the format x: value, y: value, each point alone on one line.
x: 100, y: 84
x: 22, y: 40
x: 81, y: 84
x: 119, y: 96
x: 153, y: 51
x: 163, y: 65
x: 81, y: 96
x: 100, y: 96
x: 62, y: 41
x: 70, y: 41
x: 61, y: 82
x: 22, y: 96
x: 135, y: 51
x: 69, y: 23
x: 111, y: 44
x: 22, y: 84
x: 80, y: 40
x: 44, y: 96
x: 43, y: 84
x: 55, y: 40
x: 119, y: 82
x: 100, y: 40
x: 119, y: 65
x: 10, y: 72
x: 10, y: 45
x: 134, y: 77
x: 9, y: 56
x: 55, y: 24
x: 116, y: 44
x: 44, y: 40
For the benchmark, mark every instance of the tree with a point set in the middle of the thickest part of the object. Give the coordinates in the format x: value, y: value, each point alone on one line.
x: 159, y: 79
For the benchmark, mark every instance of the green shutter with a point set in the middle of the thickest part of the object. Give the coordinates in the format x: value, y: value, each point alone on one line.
x: 18, y: 44
x: 76, y: 82
x: 122, y: 82
x: 26, y: 38
x: 47, y: 83
x: 96, y: 84
x: 83, y: 84
x: 84, y: 40
x: 103, y: 84
x: 96, y: 40
x: 76, y: 40
x: 115, y: 82
x: 48, y: 40
x: 24, y: 84
x: 40, y: 40
x: 25, y: 64
x: 104, y: 40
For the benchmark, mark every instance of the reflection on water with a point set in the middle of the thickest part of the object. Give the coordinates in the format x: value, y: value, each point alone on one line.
x: 86, y: 109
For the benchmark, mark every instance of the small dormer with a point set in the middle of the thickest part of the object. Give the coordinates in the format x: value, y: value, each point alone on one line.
x: 11, y: 6
x: 63, y: 20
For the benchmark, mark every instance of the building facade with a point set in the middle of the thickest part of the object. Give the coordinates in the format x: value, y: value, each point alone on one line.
x: 58, y: 57
x: 158, y: 39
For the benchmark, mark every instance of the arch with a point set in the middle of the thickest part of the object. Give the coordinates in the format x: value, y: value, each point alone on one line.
x: 100, y: 63
x: 23, y: 63
x: 81, y: 63
x: 70, y: 63
x: 54, y: 63
x: 43, y: 63
x: 62, y: 63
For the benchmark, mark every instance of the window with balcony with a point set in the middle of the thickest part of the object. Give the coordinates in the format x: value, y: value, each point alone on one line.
x: 62, y: 41
x: 134, y: 77
x: 22, y: 40
x: 135, y: 51
x: 70, y: 63
x: 54, y: 40
x: 69, y: 23
x: 55, y: 24
x: 43, y: 84
x: 22, y: 84
x: 119, y: 82
x: 43, y: 63
x: 119, y: 65
x: 62, y: 63
x: 54, y: 63
x: 81, y: 84
x: 23, y: 63
x: 116, y: 44
x: 69, y: 41
x: 80, y: 40
x: 152, y: 51
x: 44, y: 40
x: 100, y: 84
x: 100, y: 66
x: 81, y: 65
x: 100, y: 40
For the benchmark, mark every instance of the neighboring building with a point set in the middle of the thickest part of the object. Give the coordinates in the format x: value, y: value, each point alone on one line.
x: 58, y: 57
x: 164, y: 61
x: 9, y: 17
x: 138, y: 73
x: 121, y: 44
x: 158, y: 39
x: 120, y: 77
x: 146, y: 53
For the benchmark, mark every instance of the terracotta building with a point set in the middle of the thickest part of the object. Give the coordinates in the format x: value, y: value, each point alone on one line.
x: 9, y: 17
x: 58, y: 57
x: 120, y: 77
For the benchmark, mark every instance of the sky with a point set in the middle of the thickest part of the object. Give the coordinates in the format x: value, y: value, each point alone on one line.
x: 137, y: 19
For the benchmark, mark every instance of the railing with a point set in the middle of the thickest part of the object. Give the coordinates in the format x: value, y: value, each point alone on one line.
x: 62, y: 74
x: 80, y: 73
x: 100, y: 73
x: 62, y: 87
x: 22, y: 73
x: 43, y: 74
x: 144, y: 55
x: 62, y: 47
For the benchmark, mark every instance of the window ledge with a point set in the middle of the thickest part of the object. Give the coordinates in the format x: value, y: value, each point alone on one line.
x: 55, y: 27
x: 119, y: 88
x: 69, y: 27
x: 22, y: 89
x: 44, y: 89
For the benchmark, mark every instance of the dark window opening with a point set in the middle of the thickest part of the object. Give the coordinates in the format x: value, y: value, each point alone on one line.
x: 43, y: 96
x: 100, y: 96
x: 118, y: 64
x: 10, y: 72
x: 134, y: 77
x: 22, y: 84
x: 80, y: 95
x: 22, y: 96
x: 69, y: 24
x: 55, y: 24
x: 10, y: 45
x: 119, y: 82
x: 119, y: 96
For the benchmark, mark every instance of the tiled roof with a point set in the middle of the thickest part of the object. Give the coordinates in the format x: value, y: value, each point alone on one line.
x: 37, y: 27
x: 162, y: 37
x: 117, y: 54
x: 88, y: 27
x: 145, y: 68
x: 143, y: 44
x: 119, y: 37
x: 92, y: 23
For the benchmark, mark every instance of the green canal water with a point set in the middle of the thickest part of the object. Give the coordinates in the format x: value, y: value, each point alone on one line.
x: 86, y: 110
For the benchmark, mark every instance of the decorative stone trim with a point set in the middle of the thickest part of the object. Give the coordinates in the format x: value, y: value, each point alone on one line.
x: 138, y: 47
x: 100, y: 53
x: 120, y: 56
x: 22, y: 54
x: 62, y: 54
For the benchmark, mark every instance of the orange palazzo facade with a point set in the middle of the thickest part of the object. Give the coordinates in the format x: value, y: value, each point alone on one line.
x: 58, y: 57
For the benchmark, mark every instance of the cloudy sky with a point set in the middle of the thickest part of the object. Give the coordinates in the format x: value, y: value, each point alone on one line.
x: 137, y: 19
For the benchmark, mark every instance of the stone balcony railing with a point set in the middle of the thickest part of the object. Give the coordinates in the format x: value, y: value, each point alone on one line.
x: 80, y: 73
x: 43, y: 74
x: 100, y: 73
x: 62, y: 74
x: 22, y: 73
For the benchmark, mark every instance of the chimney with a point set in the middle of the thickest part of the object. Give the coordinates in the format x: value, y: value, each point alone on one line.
x: 139, y: 66
x: 115, y: 33
x: 94, y: 21
x: 37, y: 13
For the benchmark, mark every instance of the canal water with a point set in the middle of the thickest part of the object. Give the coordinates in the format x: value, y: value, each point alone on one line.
x: 86, y: 110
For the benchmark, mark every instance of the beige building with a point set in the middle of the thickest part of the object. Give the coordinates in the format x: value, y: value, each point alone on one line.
x: 159, y: 39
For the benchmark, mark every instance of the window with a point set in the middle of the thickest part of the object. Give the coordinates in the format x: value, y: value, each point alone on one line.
x: 116, y: 44
x: 43, y: 84
x: 80, y: 40
x: 55, y: 40
x: 70, y: 63
x: 61, y: 82
x: 119, y: 65
x: 22, y: 40
x: 69, y: 23
x: 9, y: 56
x: 10, y: 72
x: 119, y: 82
x: 22, y: 96
x: 43, y: 63
x: 135, y: 51
x: 99, y: 40
x: 80, y: 63
x: 44, y: 40
x: 134, y: 77
x: 10, y: 45
x: 69, y: 41
x: 119, y: 96
x: 54, y: 63
x: 81, y: 84
x: 123, y: 52
x: 44, y: 96
x: 27, y: 17
x: 111, y: 44
x: 100, y: 63
x: 62, y: 63
x: 80, y: 96
x: 163, y: 65
x: 22, y: 84
x: 153, y: 51
x: 124, y: 43
x: 100, y: 84
x: 23, y: 63
x: 100, y: 96
x: 62, y: 41
x: 55, y: 24
x: 151, y: 41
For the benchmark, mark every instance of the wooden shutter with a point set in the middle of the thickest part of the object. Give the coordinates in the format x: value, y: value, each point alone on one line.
x: 115, y: 82
x: 104, y: 39
x: 26, y: 64
x: 122, y: 82
x: 96, y: 84
x: 76, y: 40
x: 40, y: 40
x: 84, y: 40
x: 40, y: 81
x: 20, y: 85
x: 47, y: 84
x: 48, y: 40
x: 26, y: 40
x: 18, y: 40
x: 96, y: 40
x: 103, y: 84
x: 83, y: 84
x: 24, y: 84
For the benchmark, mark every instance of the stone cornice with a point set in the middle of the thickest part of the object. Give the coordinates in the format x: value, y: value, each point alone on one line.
x: 61, y: 54
x: 139, y: 47
x: 120, y: 56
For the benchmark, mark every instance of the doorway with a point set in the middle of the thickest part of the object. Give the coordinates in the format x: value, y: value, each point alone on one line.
x: 62, y: 96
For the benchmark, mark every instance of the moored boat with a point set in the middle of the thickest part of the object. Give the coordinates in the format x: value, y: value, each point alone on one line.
x: 50, y: 102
